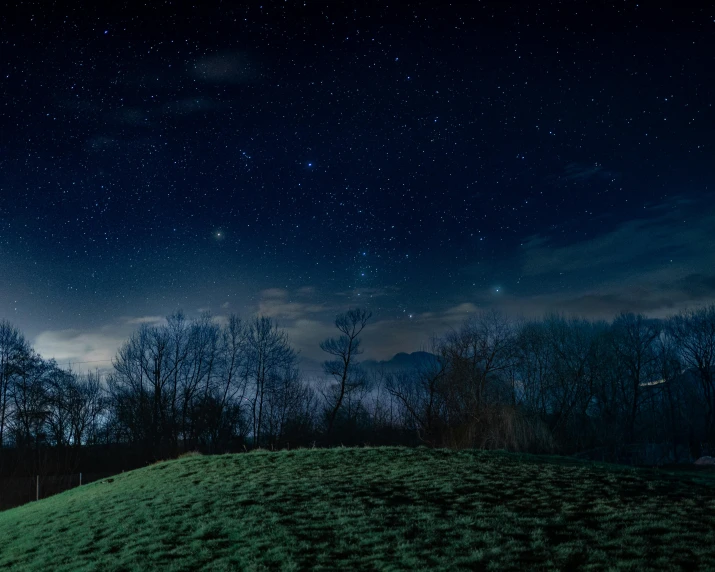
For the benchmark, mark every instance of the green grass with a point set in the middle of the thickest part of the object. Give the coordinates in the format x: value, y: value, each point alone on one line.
x: 374, y: 508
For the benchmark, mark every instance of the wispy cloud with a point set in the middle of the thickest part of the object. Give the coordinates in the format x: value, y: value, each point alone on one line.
x: 87, y: 350
x: 663, y: 242
x: 575, y: 172
x: 460, y: 311
x: 656, y: 264
x: 278, y: 303
x: 132, y: 115
x: 138, y: 320
x: 225, y: 67
x: 368, y: 292
x: 90, y: 349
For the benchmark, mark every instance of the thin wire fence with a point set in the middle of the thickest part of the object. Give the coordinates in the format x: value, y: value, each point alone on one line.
x: 16, y: 491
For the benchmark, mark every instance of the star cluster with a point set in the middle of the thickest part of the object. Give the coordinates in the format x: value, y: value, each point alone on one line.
x: 416, y: 158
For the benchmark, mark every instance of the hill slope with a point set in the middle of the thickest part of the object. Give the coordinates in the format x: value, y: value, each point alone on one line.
x: 367, y: 508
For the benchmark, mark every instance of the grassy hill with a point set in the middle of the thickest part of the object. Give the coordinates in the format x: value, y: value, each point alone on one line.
x: 379, y: 508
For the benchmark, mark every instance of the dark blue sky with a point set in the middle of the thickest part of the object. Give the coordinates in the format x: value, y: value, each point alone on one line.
x: 422, y: 159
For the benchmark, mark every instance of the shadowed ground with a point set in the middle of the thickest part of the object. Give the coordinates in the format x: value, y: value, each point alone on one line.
x: 373, y: 508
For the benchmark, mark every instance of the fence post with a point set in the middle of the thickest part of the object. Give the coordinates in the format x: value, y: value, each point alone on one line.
x: 37, y: 488
x: 80, y: 479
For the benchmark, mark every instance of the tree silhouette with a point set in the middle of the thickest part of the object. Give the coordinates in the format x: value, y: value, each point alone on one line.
x: 344, y: 368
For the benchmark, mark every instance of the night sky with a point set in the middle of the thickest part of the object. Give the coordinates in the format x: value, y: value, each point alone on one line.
x: 424, y: 160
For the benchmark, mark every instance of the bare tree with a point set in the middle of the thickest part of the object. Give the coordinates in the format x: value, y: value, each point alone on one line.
x: 268, y: 353
x: 179, y: 331
x: 199, y: 371
x: 421, y: 395
x: 534, y: 366
x: 478, y: 358
x: 633, y: 338
x: 670, y: 368
x: 31, y: 400
x: 385, y: 413
x: 140, y: 386
x: 288, y: 406
x: 573, y: 342
x: 13, y: 348
x: 190, y: 380
x: 59, y: 385
x: 128, y: 388
x: 343, y: 369
x: 231, y: 387
x: 694, y: 334
x: 605, y: 408
x: 86, y: 404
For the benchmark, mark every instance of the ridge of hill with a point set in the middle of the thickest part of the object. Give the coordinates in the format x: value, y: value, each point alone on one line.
x: 401, y: 361
x: 369, y: 508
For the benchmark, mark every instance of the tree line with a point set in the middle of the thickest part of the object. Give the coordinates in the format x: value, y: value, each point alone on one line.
x: 557, y: 384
